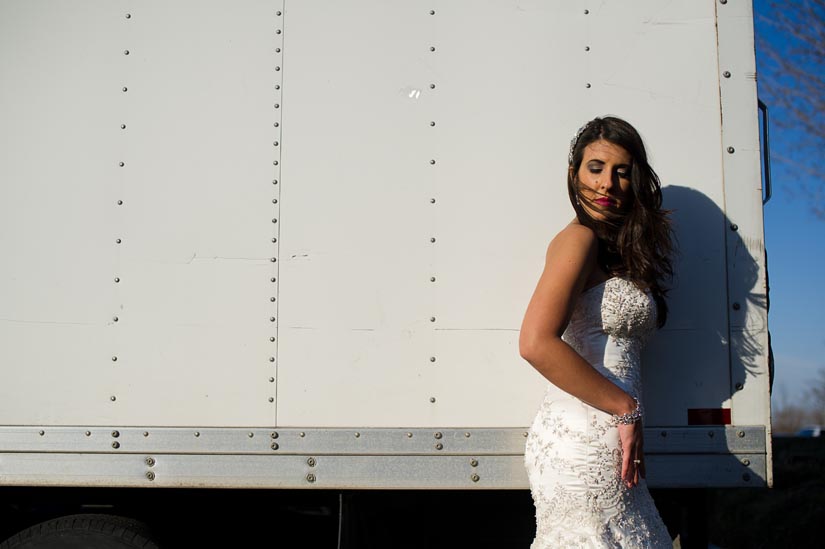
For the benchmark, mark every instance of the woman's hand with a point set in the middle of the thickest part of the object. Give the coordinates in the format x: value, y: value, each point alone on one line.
x: 633, y: 459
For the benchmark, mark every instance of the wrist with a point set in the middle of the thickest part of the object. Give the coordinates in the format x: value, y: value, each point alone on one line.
x: 631, y: 417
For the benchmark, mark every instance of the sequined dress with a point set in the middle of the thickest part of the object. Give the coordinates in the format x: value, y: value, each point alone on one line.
x: 573, y: 453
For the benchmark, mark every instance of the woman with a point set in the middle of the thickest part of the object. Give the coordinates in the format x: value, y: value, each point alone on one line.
x: 597, y: 301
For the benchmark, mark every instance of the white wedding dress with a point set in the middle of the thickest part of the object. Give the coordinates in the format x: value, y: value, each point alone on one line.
x: 573, y: 454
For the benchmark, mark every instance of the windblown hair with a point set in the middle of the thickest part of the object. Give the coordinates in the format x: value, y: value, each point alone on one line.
x: 636, y: 243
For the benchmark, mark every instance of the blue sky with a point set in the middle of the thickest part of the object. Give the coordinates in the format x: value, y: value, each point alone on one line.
x: 795, y: 241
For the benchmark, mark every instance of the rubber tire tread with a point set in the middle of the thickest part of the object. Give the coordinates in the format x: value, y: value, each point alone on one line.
x: 128, y: 533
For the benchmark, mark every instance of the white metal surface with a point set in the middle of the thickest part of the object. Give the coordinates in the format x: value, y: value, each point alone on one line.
x: 352, y: 133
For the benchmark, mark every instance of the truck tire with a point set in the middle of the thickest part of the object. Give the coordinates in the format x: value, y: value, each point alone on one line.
x: 85, y: 531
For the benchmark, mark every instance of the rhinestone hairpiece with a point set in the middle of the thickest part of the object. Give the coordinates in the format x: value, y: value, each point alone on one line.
x: 573, y: 144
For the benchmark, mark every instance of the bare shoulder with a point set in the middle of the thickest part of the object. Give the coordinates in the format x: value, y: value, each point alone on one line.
x: 575, y: 240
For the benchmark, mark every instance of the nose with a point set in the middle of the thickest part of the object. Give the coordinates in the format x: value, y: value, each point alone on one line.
x: 608, y: 180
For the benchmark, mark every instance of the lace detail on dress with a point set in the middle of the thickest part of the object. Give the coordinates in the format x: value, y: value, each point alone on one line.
x: 573, y: 454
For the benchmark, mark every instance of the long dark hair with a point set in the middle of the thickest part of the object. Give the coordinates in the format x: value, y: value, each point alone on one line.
x: 636, y: 243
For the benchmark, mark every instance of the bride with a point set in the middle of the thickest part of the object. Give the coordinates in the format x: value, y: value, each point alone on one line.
x: 598, y: 300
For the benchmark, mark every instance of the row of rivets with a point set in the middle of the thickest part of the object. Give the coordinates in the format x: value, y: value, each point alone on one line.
x: 119, y: 202
x: 276, y: 163
x: 432, y: 399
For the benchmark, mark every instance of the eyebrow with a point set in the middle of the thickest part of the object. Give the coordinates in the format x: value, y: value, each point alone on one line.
x: 603, y: 162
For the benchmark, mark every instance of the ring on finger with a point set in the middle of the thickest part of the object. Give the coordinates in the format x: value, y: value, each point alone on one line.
x: 637, y: 461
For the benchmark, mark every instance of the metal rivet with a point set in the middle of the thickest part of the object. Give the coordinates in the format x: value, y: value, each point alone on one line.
x: 120, y: 202
x: 432, y: 201
x: 731, y: 150
x: 114, y: 359
x: 432, y: 239
x: 473, y: 463
x: 125, y: 88
x: 587, y: 85
x: 114, y: 318
x: 118, y: 241
x: 128, y: 16
x: 42, y: 433
x: 475, y: 477
x: 113, y: 398
x: 274, y: 446
x: 432, y: 12
x: 432, y: 319
x: 432, y: 359
x: 432, y: 86
x: 273, y: 259
x: 739, y: 387
x: 663, y: 434
x: 125, y: 52
x: 278, y: 31
x: 277, y: 13
x: 277, y: 106
x: 409, y: 435
x: 274, y: 181
x: 439, y: 446
x: 121, y: 164
x: 272, y: 319
x: 115, y: 445
x: 736, y: 306
x: 466, y: 435
x: 250, y: 434
x: 272, y: 359
x: 274, y: 240
x: 723, y: 1
x: 117, y: 279
x: 357, y: 435
x: 150, y: 461
x: 432, y: 123
x: 746, y: 462
x: 272, y: 380
x: 524, y: 434
x: 272, y: 279
x: 432, y: 162
x: 432, y: 48
x: 272, y: 339
x: 432, y: 399
x: 311, y: 461
x: 277, y: 50
x: 277, y: 87
x: 272, y: 299
x: 273, y: 435
x: 302, y: 434
x: 123, y: 126
x: 197, y: 434
x: 274, y: 200
x: 734, y: 227
x: 276, y: 124
x: 586, y: 12
x: 274, y: 143
x: 115, y: 434
x: 88, y: 433
x: 310, y: 477
x: 726, y: 74
x: 587, y: 48
x: 150, y: 475
x: 146, y: 433
x: 432, y: 279
x: 277, y: 69
x: 274, y: 162
x: 274, y: 220
x: 438, y: 435
x: 746, y: 477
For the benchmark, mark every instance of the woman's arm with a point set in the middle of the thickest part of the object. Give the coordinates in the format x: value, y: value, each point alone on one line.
x: 570, y: 261
x: 571, y: 258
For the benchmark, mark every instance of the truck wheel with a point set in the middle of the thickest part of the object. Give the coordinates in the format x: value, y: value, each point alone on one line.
x: 85, y: 531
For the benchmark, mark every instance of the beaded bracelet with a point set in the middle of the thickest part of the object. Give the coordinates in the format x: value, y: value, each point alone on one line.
x: 631, y: 417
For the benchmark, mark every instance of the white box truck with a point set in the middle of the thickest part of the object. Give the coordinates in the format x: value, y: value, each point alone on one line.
x: 287, y: 244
